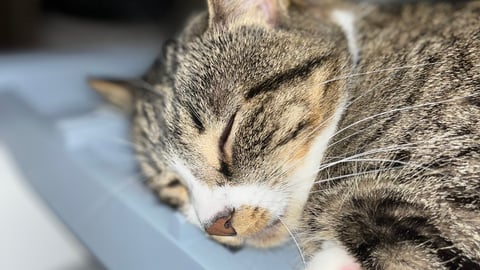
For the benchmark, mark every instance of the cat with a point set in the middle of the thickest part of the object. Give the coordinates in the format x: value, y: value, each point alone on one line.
x: 353, y: 128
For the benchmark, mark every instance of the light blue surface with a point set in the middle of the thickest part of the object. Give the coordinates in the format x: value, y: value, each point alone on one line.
x: 94, y: 188
x: 75, y: 153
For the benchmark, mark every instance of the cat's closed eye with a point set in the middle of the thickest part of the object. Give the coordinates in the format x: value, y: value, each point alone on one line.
x: 225, y: 154
x: 226, y: 133
x: 196, y: 121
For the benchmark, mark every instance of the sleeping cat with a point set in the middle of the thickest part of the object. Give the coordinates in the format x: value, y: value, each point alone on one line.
x: 352, y: 128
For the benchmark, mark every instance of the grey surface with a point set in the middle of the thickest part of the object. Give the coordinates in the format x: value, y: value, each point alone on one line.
x: 89, y: 179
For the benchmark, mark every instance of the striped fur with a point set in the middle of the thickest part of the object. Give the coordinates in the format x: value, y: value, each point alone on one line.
x: 388, y: 111
x: 410, y: 142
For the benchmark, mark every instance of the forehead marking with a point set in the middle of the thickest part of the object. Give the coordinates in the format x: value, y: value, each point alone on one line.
x: 274, y: 82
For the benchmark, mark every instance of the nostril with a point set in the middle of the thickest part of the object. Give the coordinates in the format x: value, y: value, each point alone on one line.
x: 222, y: 226
x: 228, y: 224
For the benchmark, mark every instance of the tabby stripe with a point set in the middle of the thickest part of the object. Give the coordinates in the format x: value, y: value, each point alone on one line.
x: 468, y: 150
x: 469, y: 201
x: 264, y: 142
x: 274, y: 82
x: 145, y: 114
x: 380, y: 131
x: 225, y: 169
x: 302, y: 125
x: 150, y: 161
x: 146, y: 157
x: 381, y: 229
x: 474, y: 100
x: 407, y: 230
x: 453, y: 257
x: 410, y: 100
x: 175, y: 128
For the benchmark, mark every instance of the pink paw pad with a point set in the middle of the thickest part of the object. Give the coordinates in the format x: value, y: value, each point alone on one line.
x: 353, y: 266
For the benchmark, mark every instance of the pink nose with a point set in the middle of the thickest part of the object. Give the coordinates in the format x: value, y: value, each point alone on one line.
x: 222, y: 226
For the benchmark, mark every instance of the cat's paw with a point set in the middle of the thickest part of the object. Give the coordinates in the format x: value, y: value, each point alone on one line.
x: 333, y: 257
x: 169, y: 190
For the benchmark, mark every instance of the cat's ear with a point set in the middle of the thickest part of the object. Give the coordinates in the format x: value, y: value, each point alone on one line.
x: 224, y: 13
x: 118, y: 92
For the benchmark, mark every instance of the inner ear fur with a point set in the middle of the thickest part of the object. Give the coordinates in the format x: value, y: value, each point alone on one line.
x: 116, y: 91
x: 225, y: 13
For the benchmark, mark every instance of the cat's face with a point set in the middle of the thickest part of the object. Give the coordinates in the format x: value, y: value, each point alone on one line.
x: 243, y: 115
x: 248, y: 117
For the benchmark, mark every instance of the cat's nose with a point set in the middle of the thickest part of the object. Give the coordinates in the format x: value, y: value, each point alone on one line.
x: 222, y: 226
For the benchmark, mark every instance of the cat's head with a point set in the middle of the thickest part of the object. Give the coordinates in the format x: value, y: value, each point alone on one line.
x: 241, y: 106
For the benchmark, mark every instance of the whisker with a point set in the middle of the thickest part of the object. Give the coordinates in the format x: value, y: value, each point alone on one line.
x: 350, y: 175
x: 394, y: 161
x: 294, y: 240
x: 343, y: 77
x: 373, y: 151
x: 366, y: 92
x: 397, y: 110
x: 101, y: 202
x: 411, y: 145
x: 313, y: 131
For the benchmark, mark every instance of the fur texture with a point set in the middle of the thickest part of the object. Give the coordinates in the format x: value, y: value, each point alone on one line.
x: 401, y: 184
x: 353, y: 128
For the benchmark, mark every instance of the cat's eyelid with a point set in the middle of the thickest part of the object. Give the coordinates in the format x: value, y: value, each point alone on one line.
x: 226, y: 133
x: 197, y: 122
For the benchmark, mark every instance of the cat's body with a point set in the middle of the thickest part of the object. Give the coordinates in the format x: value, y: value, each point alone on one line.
x: 233, y: 124
x: 414, y: 122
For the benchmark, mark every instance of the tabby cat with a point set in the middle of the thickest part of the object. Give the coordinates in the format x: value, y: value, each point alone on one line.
x: 353, y: 128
